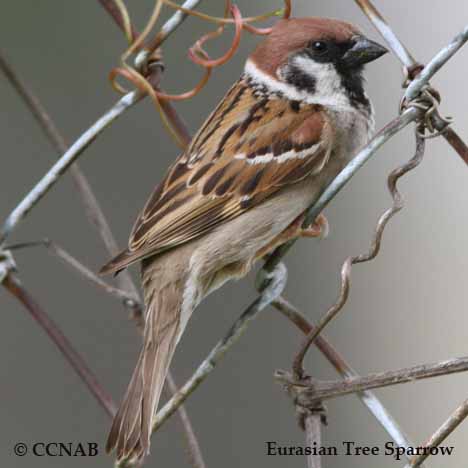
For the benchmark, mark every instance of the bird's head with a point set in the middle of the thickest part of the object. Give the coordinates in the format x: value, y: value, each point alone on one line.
x: 314, y: 56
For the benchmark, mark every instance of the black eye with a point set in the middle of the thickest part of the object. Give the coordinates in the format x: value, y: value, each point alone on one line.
x: 319, y: 47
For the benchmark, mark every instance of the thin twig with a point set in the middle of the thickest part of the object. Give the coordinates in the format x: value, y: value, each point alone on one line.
x: 195, y: 453
x: 14, y: 286
x: 455, y: 419
x: 85, y: 272
x: 178, y: 124
x: 368, y: 398
x: 92, y: 207
x: 34, y: 105
x: 126, y: 298
x: 114, y: 12
x: 324, y: 390
x: 390, y: 37
x: 455, y: 141
x: 99, y: 221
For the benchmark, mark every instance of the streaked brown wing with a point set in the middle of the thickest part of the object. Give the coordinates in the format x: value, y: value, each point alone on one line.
x: 249, y: 148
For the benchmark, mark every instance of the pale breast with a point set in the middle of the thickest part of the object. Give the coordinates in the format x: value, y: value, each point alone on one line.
x: 354, y: 129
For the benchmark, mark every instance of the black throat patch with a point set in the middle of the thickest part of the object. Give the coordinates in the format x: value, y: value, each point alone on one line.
x: 353, y: 83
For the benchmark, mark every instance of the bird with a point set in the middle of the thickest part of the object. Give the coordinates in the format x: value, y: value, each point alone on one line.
x: 292, y: 121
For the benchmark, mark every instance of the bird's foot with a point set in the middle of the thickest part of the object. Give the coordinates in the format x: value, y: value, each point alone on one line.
x: 319, y: 228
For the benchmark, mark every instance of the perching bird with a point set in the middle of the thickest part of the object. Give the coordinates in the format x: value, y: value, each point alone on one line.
x: 292, y: 121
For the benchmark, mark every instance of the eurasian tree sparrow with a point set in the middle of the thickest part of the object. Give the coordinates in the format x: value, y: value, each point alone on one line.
x: 293, y: 120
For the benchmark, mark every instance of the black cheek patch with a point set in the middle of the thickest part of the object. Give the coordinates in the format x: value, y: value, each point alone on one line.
x: 296, y: 77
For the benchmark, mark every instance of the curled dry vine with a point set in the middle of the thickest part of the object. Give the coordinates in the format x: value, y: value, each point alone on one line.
x: 374, y: 249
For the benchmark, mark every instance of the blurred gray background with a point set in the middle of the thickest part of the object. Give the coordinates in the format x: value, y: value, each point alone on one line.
x: 407, y: 307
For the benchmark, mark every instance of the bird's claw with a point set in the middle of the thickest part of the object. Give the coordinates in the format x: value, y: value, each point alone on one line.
x: 319, y: 228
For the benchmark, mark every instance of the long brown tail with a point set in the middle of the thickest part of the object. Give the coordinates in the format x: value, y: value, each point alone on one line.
x: 131, y: 430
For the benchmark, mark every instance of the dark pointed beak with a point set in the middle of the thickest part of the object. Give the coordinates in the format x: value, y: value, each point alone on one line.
x: 363, y: 51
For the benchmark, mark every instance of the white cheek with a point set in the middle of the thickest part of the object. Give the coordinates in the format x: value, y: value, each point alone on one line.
x: 273, y: 84
x: 328, y: 90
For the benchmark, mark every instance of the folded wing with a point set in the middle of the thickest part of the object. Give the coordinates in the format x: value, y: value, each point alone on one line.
x: 249, y: 148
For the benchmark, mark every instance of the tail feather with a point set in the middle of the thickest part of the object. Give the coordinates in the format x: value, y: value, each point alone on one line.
x: 131, y: 430
x: 124, y: 259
